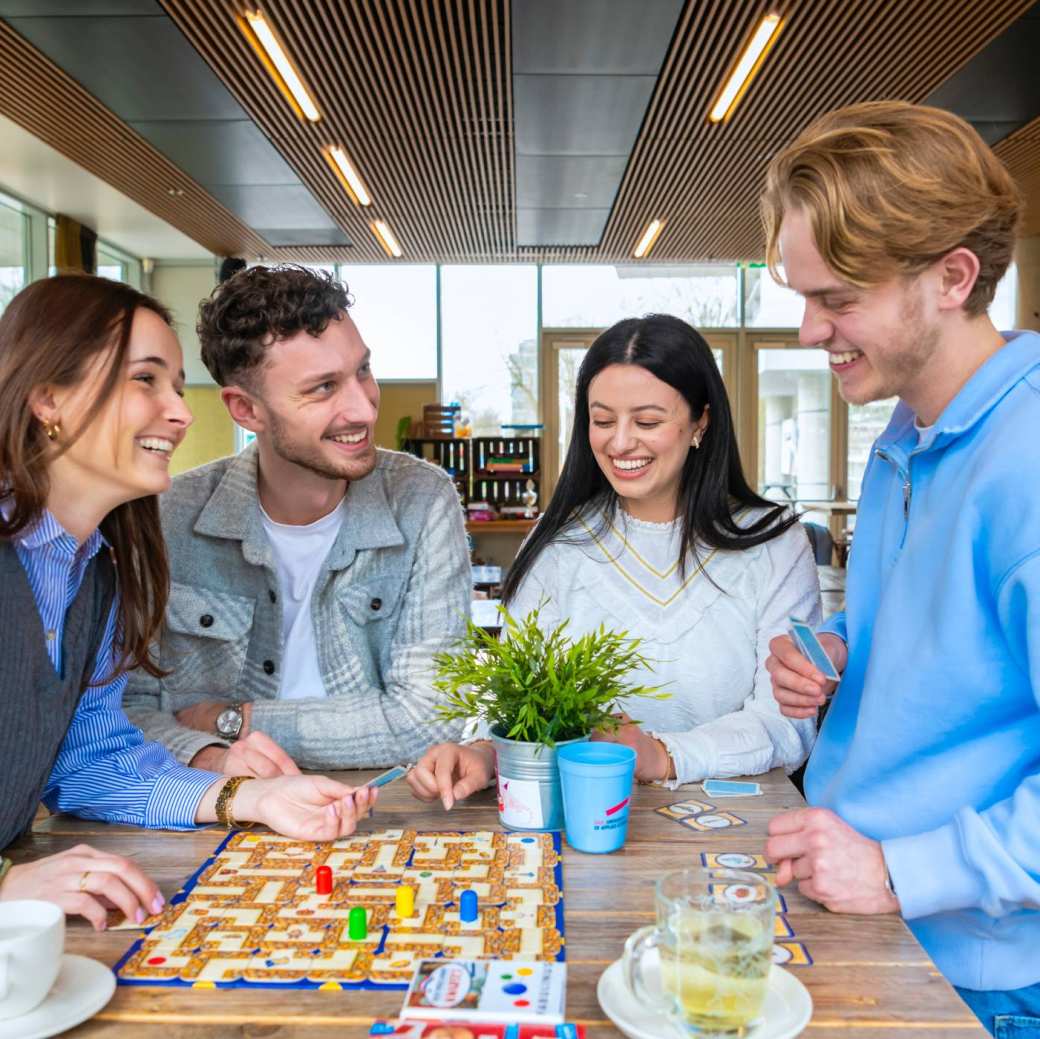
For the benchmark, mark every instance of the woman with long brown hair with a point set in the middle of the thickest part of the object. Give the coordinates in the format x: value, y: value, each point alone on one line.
x: 91, y: 408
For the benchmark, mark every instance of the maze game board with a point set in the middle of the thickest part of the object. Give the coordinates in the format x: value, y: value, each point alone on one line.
x: 251, y: 916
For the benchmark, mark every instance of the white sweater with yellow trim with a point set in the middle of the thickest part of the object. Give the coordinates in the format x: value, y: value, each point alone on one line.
x: 709, y: 638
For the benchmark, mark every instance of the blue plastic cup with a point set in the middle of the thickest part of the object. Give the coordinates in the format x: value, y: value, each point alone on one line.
x: 596, y: 780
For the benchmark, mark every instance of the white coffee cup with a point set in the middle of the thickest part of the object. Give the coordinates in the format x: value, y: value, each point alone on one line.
x: 32, y: 937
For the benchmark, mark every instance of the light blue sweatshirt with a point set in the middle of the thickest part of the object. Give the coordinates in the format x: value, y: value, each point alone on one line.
x: 932, y: 743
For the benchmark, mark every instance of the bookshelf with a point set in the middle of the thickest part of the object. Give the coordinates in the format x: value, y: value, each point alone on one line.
x: 503, y: 473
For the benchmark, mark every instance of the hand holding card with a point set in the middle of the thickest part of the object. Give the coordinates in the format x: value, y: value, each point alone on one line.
x: 804, y: 669
x: 810, y: 647
x: 397, y: 772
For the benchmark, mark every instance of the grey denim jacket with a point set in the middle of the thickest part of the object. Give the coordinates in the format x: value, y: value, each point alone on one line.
x: 396, y: 590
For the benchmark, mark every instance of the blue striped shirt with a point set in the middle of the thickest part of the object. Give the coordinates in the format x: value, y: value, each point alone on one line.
x: 104, y: 769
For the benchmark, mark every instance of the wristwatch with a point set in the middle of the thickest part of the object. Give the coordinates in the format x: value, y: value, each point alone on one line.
x: 229, y: 722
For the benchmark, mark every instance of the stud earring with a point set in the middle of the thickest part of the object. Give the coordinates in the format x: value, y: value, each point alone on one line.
x: 52, y: 429
x: 696, y: 441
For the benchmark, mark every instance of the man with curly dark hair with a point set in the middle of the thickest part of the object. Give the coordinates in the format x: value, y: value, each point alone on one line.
x: 313, y: 575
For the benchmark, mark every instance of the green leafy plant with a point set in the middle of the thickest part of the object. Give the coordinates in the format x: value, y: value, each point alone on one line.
x: 404, y: 426
x: 540, y: 686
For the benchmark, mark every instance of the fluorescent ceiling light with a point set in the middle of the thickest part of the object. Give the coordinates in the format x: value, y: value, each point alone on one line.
x: 646, y: 243
x: 386, y: 238
x: 280, y: 67
x: 348, y: 176
x: 747, y: 65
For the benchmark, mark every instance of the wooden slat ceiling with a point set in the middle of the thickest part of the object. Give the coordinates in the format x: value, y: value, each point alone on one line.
x: 40, y: 97
x: 1020, y: 152
x: 419, y: 96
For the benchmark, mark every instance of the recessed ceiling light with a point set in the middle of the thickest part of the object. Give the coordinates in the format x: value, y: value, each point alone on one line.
x: 646, y: 243
x: 748, y: 64
x: 386, y: 238
x: 263, y: 40
x: 348, y: 176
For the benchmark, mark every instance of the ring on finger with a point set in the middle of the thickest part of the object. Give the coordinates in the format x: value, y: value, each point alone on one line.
x: 83, y: 880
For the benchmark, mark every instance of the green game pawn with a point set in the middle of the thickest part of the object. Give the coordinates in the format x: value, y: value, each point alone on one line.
x: 357, y: 924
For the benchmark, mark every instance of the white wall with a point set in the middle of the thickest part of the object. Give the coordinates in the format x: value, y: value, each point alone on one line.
x: 182, y: 286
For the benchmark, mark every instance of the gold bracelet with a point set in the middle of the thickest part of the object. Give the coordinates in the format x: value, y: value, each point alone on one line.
x: 224, y: 800
x: 5, y: 865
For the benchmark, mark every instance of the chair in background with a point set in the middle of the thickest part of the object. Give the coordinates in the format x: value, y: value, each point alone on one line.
x: 821, y: 541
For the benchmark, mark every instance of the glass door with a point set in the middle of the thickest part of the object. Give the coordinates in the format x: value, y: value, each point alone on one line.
x: 795, y: 404
x: 562, y: 354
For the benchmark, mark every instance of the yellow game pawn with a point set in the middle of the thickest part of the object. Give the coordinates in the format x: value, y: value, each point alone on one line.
x: 404, y: 902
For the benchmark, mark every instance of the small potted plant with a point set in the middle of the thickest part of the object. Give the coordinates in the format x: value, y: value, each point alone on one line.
x: 535, y: 690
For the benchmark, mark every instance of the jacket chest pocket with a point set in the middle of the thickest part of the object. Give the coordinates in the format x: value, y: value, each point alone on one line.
x: 205, y: 641
x: 373, y: 600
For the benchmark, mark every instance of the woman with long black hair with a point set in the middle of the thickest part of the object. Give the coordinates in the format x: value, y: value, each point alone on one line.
x: 654, y: 530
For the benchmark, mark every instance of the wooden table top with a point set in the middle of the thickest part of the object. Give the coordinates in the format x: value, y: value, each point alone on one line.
x: 870, y: 979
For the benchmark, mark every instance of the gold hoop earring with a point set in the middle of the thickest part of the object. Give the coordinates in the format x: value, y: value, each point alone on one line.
x: 52, y: 429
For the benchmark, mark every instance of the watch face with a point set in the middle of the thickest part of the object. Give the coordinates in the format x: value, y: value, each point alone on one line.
x: 229, y: 722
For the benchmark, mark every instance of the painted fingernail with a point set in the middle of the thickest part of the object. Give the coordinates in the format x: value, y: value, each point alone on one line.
x: 157, y: 903
x: 139, y: 915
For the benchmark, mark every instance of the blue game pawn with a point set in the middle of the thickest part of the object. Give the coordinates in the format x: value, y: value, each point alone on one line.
x: 468, y: 906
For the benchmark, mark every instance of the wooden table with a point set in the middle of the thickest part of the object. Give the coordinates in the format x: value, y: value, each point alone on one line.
x: 870, y: 980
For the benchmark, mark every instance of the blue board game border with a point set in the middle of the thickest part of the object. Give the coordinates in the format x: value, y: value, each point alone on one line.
x: 346, y: 986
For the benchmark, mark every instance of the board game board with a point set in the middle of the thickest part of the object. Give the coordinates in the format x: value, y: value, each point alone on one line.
x: 251, y: 916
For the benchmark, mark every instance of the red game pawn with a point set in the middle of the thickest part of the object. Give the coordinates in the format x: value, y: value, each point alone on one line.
x: 323, y: 880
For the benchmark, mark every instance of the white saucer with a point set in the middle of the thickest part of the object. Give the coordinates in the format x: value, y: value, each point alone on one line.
x: 786, y: 1011
x: 83, y: 987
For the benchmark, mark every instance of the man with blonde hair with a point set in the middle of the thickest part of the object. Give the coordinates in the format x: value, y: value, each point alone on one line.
x: 895, y: 223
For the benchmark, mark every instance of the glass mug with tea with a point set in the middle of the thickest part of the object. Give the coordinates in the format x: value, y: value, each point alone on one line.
x: 714, y: 940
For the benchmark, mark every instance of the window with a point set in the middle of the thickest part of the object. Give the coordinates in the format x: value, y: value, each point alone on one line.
x: 243, y: 438
x: 1004, y: 311
x: 794, y: 424
x: 489, y: 329
x: 395, y: 310
x: 109, y: 265
x: 13, y: 230
x: 767, y: 304
x: 866, y: 423
x: 597, y: 297
x: 568, y: 361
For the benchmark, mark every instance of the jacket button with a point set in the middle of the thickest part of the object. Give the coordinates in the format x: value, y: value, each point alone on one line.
x: 206, y: 620
x: 271, y: 595
x: 376, y: 604
x: 269, y: 667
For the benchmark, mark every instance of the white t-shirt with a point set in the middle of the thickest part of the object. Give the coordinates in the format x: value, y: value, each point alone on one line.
x: 923, y: 432
x: 299, y: 555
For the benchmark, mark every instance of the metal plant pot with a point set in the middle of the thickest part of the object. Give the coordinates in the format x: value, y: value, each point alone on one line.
x: 529, y: 795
